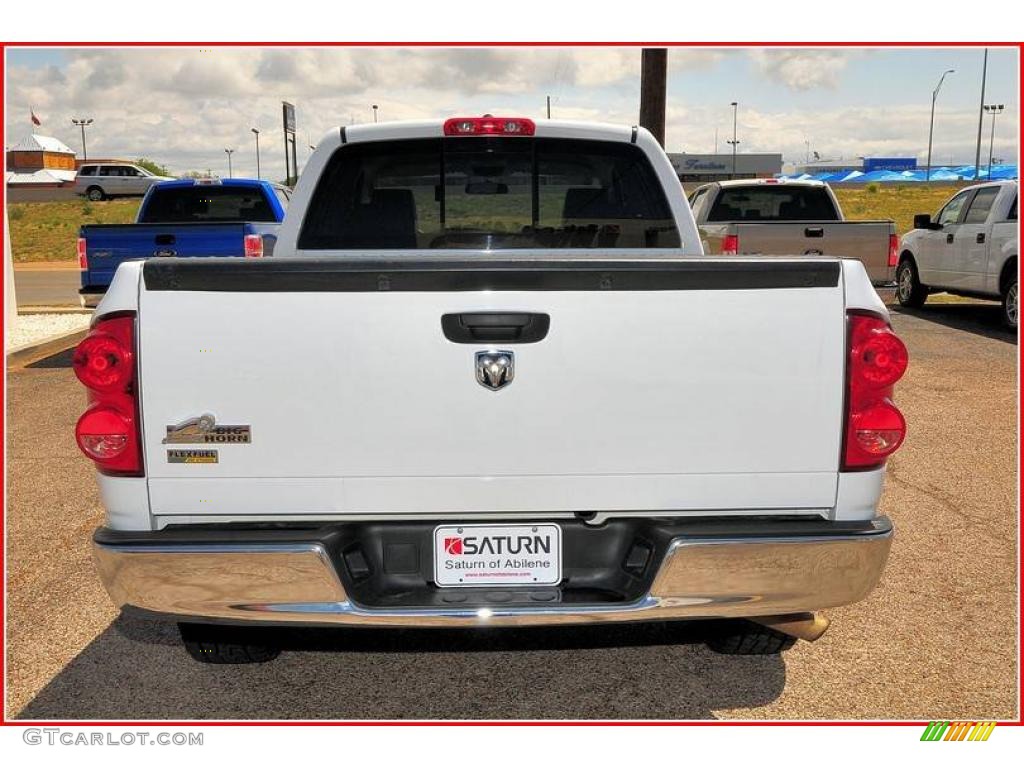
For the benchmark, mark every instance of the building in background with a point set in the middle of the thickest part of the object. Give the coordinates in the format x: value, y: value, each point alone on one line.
x: 860, y: 164
x: 40, y: 161
x: 717, y: 167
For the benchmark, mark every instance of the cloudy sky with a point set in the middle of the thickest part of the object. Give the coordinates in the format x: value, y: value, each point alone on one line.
x: 183, y: 106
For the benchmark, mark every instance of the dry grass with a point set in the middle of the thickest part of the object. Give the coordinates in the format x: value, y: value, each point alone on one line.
x: 899, y: 202
x: 48, y: 231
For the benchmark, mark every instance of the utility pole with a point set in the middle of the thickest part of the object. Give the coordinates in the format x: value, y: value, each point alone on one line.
x: 653, y: 80
x: 981, y: 117
x: 229, y: 151
x: 931, y: 124
x: 81, y: 123
x: 735, y: 142
x: 256, y: 131
x: 993, y: 109
x: 549, y: 107
x: 716, y: 139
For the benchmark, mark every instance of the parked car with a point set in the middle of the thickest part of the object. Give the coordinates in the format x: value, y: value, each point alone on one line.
x: 102, y: 181
x: 458, y: 396
x: 969, y: 249
x: 184, y: 218
x: 789, y: 218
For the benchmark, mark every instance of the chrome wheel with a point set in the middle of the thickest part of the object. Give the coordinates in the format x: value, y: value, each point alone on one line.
x: 1011, y: 305
x: 906, y: 284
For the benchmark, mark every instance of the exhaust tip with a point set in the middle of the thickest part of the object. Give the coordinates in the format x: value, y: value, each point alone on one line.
x: 805, y: 626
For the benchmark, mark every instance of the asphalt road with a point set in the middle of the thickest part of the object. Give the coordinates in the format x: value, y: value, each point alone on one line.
x: 936, y: 640
x: 47, y: 285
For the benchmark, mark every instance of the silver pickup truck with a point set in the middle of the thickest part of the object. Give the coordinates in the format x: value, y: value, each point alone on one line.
x: 969, y: 249
x: 765, y: 216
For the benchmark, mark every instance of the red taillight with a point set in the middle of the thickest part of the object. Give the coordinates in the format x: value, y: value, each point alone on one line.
x: 730, y: 245
x: 104, y: 361
x: 83, y: 259
x: 877, y: 360
x: 894, y: 250
x: 108, y: 432
x: 254, y: 246
x: 489, y: 126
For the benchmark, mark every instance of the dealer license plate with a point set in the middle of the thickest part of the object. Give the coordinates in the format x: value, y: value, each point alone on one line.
x: 489, y: 555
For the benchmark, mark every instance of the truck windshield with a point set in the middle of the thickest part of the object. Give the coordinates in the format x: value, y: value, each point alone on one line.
x: 765, y: 202
x: 205, y: 203
x: 491, y: 192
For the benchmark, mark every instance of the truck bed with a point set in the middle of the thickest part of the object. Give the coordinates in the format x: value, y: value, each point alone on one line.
x: 866, y: 241
x: 107, y: 245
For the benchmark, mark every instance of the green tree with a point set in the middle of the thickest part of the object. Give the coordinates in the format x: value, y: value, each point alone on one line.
x: 153, y: 167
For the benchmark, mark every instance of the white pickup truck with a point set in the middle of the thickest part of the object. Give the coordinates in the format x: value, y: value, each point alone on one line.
x: 970, y: 249
x: 488, y: 379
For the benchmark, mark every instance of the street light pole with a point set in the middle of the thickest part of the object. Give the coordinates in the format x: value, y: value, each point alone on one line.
x: 256, y: 131
x: 229, y: 151
x: 375, y: 113
x: 735, y: 141
x: 993, y: 109
x: 931, y: 124
x: 981, y: 117
x: 81, y: 123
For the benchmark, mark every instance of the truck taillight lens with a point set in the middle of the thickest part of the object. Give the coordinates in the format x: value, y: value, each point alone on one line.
x: 894, y: 250
x: 877, y: 359
x: 489, y: 126
x: 108, y: 431
x: 254, y: 246
x: 103, y: 433
x: 103, y: 361
x: 730, y: 245
x: 83, y: 259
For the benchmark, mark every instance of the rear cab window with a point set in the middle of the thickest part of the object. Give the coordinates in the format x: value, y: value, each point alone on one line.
x: 765, y: 202
x: 981, y: 205
x: 200, y: 203
x: 488, y: 192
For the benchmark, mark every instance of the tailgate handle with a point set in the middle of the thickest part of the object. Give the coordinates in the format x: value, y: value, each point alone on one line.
x: 483, y: 327
x: 814, y: 232
x: 164, y: 239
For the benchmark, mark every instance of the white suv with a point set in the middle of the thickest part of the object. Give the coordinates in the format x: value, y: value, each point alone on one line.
x: 100, y: 181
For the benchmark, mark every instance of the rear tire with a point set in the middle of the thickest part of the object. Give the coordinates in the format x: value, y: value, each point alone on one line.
x: 750, y: 639
x: 909, y: 291
x: 214, y: 644
x: 1011, y: 299
x: 95, y: 194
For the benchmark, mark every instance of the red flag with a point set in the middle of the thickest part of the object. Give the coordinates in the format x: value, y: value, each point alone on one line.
x: 35, y: 120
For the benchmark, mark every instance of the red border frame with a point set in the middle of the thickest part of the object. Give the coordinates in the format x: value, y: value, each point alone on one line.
x: 4, y: 722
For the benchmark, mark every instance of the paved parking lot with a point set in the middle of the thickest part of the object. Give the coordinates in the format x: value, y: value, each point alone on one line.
x: 937, y: 640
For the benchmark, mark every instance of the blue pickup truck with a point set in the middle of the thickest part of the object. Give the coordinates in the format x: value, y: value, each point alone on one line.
x: 186, y: 217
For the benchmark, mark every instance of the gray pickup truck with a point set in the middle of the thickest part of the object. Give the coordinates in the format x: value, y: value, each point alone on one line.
x: 753, y: 217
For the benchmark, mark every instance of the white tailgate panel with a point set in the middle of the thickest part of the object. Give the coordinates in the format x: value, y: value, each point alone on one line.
x: 672, y: 400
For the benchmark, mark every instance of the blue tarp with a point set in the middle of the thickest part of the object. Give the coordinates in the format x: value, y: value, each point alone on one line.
x: 939, y: 173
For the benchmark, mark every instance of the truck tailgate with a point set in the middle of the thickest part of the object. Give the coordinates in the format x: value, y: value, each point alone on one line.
x: 686, y: 385
x: 107, y: 245
x: 866, y: 241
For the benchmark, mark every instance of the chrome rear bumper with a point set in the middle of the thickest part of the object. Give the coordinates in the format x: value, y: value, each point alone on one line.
x: 298, y: 583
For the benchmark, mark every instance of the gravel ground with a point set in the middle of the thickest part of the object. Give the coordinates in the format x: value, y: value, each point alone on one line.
x: 936, y: 640
x: 32, y: 328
